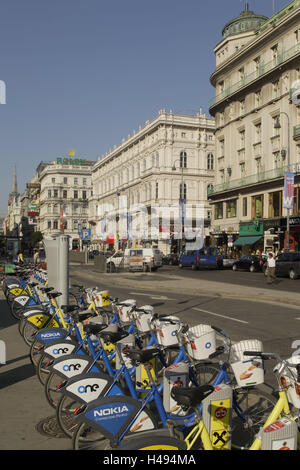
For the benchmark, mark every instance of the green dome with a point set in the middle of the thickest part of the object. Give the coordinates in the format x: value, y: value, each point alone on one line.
x: 247, y: 21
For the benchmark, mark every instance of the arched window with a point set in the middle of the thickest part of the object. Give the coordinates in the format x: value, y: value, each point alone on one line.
x: 210, y: 161
x: 183, y: 160
x: 182, y: 191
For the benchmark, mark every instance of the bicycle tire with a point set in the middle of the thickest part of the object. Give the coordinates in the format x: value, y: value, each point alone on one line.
x: 153, y: 443
x: 52, y: 395
x: 65, y: 415
x: 34, y: 352
x: 28, y: 333
x: 257, y: 406
x: 206, y: 373
x: 87, y: 438
x: 17, y: 309
x: 41, y: 372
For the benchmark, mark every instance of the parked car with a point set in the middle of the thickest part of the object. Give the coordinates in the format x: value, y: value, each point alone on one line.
x: 201, y: 258
x: 228, y: 262
x: 152, y: 259
x: 252, y: 263
x: 93, y: 253
x: 171, y: 259
x: 287, y: 264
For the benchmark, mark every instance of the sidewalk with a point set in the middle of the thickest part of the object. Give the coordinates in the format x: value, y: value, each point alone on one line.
x: 183, y: 285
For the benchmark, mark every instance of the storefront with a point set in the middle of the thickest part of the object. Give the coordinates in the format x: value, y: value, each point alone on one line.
x: 251, y: 238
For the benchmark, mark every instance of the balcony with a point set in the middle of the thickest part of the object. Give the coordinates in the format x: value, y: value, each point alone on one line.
x: 260, y: 177
x: 262, y: 70
x: 297, y: 132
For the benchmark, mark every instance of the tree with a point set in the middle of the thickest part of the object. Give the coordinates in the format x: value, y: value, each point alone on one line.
x: 36, y: 237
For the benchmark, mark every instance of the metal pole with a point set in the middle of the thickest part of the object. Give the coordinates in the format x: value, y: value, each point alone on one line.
x: 288, y: 210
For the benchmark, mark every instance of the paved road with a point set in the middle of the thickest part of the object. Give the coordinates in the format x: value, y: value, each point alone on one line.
x: 240, y: 278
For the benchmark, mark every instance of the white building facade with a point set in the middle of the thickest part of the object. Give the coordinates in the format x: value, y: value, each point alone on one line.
x: 65, y: 187
x: 169, y: 158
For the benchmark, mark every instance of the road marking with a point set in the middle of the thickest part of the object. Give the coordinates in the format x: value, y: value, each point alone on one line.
x: 156, y: 297
x: 219, y: 315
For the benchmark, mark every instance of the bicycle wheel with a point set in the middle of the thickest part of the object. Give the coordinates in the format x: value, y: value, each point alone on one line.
x: 17, y: 309
x: 65, y: 414
x: 155, y: 442
x: 53, y: 395
x: 29, y: 332
x: 206, y: 374
x: 41, y: 371
x: 251, y: 408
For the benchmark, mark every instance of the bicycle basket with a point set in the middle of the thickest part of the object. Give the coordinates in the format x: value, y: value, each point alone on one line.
x: 200, y: 341
x: 165, y: 332
x: 101, y: 298
x: 289, y: 382
x: 248, y: 371
x: 124, y: 310
x: 142, y: 319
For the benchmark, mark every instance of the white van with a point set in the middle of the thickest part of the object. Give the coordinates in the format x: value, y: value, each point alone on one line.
x: 152, y: 259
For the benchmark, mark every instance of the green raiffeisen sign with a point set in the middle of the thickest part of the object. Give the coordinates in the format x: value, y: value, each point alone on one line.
x: 71, y: 161
x: 253, y: 229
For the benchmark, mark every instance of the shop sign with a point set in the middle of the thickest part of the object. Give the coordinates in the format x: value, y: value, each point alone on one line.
x: 70, y: 161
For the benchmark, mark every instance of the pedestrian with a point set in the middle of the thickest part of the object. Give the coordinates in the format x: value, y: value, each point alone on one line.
x: 36, y: 257
x: 271, y: 266
x: 20, y: 259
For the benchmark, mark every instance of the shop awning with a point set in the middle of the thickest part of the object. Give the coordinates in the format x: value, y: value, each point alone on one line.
x: 246, y: 240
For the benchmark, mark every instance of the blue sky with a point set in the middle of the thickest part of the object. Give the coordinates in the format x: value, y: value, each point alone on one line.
x: 84, y: 74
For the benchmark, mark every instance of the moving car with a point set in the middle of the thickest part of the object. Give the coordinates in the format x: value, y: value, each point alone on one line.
x: 152, y: 259
x: 252, y: 263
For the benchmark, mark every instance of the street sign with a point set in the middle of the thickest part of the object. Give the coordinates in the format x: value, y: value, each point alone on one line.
x: 86, y: 235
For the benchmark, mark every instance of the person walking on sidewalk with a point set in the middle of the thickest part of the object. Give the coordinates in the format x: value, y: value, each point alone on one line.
x: 271, y: 265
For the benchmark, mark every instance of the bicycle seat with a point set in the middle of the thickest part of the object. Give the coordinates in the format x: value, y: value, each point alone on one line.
x: 53, y: 295
x: 113, y: 337
x: 191, y: 397
x: 93, y: 328
x: 47, y: 289
x: 142, y: 356
x: 69, y: 308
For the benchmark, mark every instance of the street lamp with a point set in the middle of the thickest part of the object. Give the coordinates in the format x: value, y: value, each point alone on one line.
x: 181, y: 194
x: 277, y: 125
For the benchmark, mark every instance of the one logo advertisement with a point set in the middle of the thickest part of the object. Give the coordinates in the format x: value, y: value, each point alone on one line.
x: 69, y: 368
x: 59, y: 350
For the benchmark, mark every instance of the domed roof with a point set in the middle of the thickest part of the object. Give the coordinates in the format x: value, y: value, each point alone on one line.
x: 247, y: 21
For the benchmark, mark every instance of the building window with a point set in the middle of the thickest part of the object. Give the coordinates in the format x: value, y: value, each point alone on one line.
x: 242, y: 107
x: 182, y: 191
x: 55, y: 193
x: 241, y: 73
x: 258, y: 133
x: 257, y: 206
x: 276, y: 159
x: 245, y: 207
x: 219, y: 210
x: 75, y: 181
x: 296, y: 210
x: 258, y: 99
x: 275, y: 89
x: 275, y: 204
x: 222, y: 176
x: 83, y: 194
x: 55, y: 224
x: 49, y: 192
x: 84, y: 181
x: 242, y: 169
x: 241, y: 139
x: 65, y: 194
x: 210, y: 161
x: 183, y: 135
x: 183, y: 160
x: 75, y: 194
x: 274, y: 50
x: 210, y: 188
x: 221, y: 148
x: 156, y: 190
x: 258, y: 165
x: 257, y: 64
x: 53, y: 180
x: 231, y: 208
x: 65, y: 180
x: 49, y: 224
